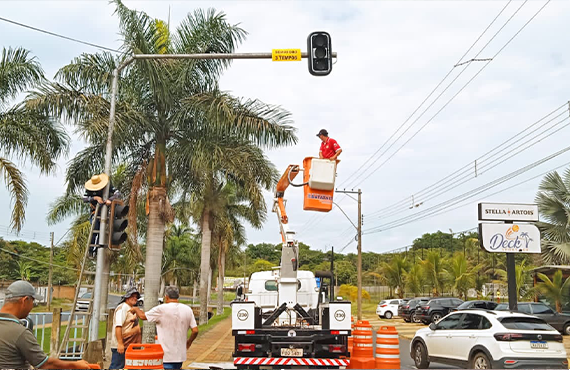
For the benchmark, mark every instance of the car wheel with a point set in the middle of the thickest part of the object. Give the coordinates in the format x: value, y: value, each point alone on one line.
x: 415, y: 318
x: 435, y: 317
x: 407, y: 320
x: 388, y: 315
x: 566, y: 330
x: 420, y: 356
x: 480, y: 361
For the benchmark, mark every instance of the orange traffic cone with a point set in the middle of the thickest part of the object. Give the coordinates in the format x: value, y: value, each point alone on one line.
x: 362, y: 356
x: 387, y: 348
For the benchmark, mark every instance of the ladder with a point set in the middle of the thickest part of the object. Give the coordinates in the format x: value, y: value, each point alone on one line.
x: 73, y: 348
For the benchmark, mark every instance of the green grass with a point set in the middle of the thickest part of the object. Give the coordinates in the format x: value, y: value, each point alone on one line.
x: 214, y: 320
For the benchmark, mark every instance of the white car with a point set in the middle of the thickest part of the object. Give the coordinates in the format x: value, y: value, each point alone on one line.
x: 83, y: 302
x: 482, y: 339
x: 388, y: 308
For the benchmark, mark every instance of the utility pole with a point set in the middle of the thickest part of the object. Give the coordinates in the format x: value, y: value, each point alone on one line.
x: 102, y: 267
x: 49, y: 295
x: 359, y: 248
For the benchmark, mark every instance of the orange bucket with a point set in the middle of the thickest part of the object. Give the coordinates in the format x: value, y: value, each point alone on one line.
x: 362, y: 356
x: 387, y: 348
x: 314, y: 199
x: 144, y: 356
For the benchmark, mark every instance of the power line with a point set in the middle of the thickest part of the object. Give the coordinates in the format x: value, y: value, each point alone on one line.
x: 58, y: 35
x: 469, y: 168
x: 437, y: 98
x: 480, y: 168
x: 460, y: 198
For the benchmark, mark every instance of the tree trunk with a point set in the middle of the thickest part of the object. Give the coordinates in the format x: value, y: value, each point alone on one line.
x: 194, y: 289
x: 210, y: 275
x: 205, y: 265
x: 558, y: 307
x: 221, y: 272
x: 154, y: 246
x: 162, y: 287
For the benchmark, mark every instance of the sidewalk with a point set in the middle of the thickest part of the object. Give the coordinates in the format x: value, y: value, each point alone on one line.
x: 216, y: 345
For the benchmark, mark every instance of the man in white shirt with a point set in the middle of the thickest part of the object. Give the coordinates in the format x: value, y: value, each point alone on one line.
x: 173, y: 320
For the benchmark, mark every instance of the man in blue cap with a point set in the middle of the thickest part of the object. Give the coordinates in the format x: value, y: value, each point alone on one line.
x: 18, y: 347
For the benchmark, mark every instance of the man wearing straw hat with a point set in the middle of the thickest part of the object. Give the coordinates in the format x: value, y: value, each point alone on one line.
x: 19, y: 347
x: 94, y: 195
x: 126, y: 329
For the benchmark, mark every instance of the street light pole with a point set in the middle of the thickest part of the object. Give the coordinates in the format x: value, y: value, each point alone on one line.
x: 102, y: 267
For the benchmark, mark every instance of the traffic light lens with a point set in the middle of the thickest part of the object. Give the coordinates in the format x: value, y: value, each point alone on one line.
x: 121, y: 211
x: 320, y: 40
x: 320, y: 52
x: 119, y: 238
x: 321, y: 64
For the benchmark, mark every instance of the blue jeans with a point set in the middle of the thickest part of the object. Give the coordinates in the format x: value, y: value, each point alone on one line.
x: 117, y: 360
x: 172, y: 365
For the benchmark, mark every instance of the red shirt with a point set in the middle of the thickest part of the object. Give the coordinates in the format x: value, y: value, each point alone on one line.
x: 329, y: 148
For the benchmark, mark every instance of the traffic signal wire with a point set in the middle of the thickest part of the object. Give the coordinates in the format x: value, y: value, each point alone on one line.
x: 477, y: 167
x: 444, y: 206
x: 58, y: 35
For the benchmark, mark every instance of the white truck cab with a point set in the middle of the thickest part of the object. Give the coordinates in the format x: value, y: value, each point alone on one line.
x: 263, y: 289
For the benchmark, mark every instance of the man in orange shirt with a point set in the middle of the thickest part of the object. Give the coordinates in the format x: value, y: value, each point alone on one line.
x: 329, y: 147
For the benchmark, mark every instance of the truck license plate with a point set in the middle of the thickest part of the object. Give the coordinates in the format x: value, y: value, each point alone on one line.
x: 292, y: 352
x: 538, y: 344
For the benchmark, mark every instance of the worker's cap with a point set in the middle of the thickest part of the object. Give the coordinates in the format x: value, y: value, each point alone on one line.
x: 130, y: 292
x: 323, y: 132
x: 172, y: 292
x: 22, y: 288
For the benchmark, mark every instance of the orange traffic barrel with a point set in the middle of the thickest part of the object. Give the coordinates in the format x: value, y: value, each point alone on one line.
x: 350, y: 344
x: 362, y: 356
x: 387, y: 348
x: 144, y: 356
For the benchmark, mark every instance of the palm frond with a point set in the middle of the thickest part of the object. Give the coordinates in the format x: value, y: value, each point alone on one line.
x: 16, y: 184
x: 18, y: 72
x: 65, y: 206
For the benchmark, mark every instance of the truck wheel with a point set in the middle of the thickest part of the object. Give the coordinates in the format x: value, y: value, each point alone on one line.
x: 388, y: 315
x: 420, y: 356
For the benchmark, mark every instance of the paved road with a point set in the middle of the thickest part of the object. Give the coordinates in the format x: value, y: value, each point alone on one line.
x: 39, y: 318
x: 406, y: 361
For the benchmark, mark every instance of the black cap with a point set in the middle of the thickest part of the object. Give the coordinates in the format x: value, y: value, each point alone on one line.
x: 323, y: 132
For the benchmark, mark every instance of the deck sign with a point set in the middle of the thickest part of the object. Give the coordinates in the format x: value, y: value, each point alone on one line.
x: 508, y: 212
x: 510, y: 238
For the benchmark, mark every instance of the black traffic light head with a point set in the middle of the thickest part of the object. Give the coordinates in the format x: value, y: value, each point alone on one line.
x: 118, y: 223
x: 319, y: 53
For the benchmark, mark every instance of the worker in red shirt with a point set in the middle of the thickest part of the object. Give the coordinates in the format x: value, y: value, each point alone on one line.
x: 329, y: 147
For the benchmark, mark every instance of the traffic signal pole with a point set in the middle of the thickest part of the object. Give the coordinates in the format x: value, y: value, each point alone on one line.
x: 100, y: 292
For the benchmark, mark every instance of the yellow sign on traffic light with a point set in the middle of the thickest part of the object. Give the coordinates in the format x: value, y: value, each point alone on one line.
x: 286, y: 55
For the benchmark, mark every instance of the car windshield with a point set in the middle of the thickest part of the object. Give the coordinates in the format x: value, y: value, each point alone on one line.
x: 525, y: 323
x: 86, y: 295
x: 382, y: 302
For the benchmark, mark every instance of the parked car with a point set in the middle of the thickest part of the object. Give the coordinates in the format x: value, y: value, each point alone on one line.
x: 388, y: 308
x: 83, y: 302
x: 482, y: 339
x: 559, y: 321
x: 487, y: 305
x: 407, y: 311
x: 436, y: 308
x: 140, y: 301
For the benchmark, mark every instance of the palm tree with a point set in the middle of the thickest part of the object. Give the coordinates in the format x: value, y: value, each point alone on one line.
x: 461, y: 275
x: 555, y: 289
x: 394, y: 273
x: 434, y: 271
x: 24, y: 134
x: 414, y: 279
x: 167, y: 114
x: 553, y: 201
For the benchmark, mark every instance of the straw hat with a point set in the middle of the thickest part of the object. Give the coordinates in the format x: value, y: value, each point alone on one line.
x: 97, y: 182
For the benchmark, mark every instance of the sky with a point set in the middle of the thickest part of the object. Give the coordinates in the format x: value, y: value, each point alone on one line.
x: 391, y: 56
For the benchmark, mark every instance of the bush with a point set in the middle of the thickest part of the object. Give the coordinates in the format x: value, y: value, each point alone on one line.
x: 351, y: 292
